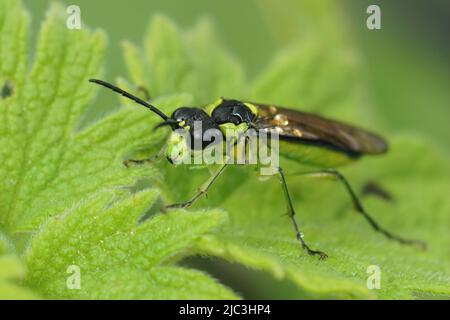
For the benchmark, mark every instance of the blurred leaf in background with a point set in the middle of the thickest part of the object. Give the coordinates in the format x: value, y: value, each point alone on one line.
x: 408, y: 66
x: 11, y: 273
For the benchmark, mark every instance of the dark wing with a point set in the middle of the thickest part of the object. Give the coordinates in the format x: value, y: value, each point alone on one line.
x: 314, y: 129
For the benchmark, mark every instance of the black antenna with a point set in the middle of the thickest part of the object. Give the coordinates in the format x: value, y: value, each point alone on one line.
x: 130, y: 96
x: 169, y: 122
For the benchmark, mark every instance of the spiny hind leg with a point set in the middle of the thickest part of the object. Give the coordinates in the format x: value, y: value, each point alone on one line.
x: 291, y: 214
x: 332, y: 173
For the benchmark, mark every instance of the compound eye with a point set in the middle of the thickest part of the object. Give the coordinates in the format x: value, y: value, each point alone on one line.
x: 236, y: 118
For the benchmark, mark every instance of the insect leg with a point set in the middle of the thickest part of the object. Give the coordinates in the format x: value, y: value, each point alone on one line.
x: 151, y: 159
x: 371, y: 188
x: 201, y: 192
x: 291, y: 213
x: 144, y: 92
x: 359, y: 207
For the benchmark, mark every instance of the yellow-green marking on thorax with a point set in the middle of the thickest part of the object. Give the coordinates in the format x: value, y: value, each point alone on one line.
x: 210, y: 107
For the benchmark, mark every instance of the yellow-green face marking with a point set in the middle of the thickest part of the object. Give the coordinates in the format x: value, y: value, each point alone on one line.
x: 177, y: 150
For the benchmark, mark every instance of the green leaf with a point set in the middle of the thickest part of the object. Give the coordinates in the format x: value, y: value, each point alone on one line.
x: 116, y: 256
x: 42, y: 112
x: 65, y: 197
x: 192, y: 62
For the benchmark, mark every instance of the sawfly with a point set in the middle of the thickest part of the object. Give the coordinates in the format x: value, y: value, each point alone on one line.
x: 303, y: 137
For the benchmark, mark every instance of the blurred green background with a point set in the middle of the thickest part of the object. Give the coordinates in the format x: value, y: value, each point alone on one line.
x: 406, y: 65
x: 407, y: 61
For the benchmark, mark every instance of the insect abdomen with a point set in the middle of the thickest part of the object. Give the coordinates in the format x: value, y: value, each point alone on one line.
x: 314, y: 155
